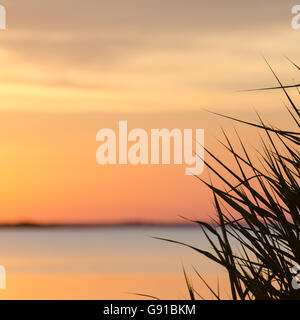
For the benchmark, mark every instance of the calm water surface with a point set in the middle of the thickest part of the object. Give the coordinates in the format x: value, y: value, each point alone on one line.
x: 102, y: 263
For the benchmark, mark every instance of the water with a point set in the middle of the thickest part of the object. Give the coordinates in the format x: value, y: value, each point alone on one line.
x: 101, y: 263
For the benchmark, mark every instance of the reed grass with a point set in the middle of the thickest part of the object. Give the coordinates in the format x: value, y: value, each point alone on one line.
x: 255, y: 234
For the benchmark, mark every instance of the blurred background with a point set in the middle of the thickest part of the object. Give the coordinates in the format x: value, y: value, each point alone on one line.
x: 71, y: 68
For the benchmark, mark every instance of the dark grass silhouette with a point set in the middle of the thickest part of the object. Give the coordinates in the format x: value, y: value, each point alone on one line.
x: 256, y: 233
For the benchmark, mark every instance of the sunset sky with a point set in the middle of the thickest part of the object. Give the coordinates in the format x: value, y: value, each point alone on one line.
x: 70, y: 68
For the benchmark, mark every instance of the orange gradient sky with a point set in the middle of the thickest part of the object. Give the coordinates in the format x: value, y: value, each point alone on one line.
x: 69, y: 69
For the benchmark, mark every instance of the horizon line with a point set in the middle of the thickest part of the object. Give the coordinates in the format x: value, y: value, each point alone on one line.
x: 95, y: 225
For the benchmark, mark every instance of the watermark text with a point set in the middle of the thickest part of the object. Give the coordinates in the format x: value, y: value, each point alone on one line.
x: 134, y: 147
x: 2, y: 18
x: 2, y: 278
x: 296, y: 17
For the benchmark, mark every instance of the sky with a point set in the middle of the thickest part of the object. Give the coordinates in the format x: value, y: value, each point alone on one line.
x: 71, y: 68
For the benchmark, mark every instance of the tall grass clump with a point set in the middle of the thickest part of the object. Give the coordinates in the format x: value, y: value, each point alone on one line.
x: 255, y: 235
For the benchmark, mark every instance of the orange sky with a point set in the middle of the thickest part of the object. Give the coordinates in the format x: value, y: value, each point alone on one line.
x: 68, y: 70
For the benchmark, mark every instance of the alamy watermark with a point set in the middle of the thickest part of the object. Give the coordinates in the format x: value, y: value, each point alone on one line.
x: 2, y: 278
x: 2, y: 18
x: 296, y: 17
x: 296, y: 278
x: 159, y: 145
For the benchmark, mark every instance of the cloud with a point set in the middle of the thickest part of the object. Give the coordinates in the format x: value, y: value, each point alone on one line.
x: 109, y: 32
x: 148, y: 47
x: 146, y: 16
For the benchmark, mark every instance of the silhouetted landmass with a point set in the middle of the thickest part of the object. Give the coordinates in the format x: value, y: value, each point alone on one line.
x: 33, y: 225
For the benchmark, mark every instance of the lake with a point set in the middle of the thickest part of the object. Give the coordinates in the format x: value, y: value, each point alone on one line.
x: 104, y: 263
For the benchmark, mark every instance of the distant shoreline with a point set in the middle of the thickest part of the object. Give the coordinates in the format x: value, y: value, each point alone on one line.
x: 28, y: 225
